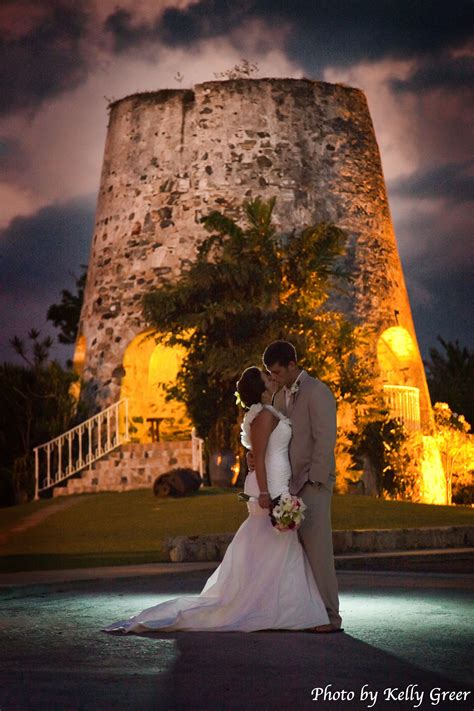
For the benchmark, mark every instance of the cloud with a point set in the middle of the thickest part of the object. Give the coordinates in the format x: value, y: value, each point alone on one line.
x: 453, y: 181
x: 38, y: 256
x: 337, y: 33
x: 57, y: 154
x: 441, y: 305
x: 60, y: 60
x: 434, y: 239
x: 40, y: 53
x: 11, y: 155
x: 392, y: 116
x: 59, y: 238
x: 60, y: 151
x: 448, y: 73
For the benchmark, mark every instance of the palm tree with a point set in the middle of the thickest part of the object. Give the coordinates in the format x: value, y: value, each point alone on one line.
x: 450, y: 376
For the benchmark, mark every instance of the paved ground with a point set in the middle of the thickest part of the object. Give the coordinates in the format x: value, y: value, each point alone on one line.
x: 402, y: 629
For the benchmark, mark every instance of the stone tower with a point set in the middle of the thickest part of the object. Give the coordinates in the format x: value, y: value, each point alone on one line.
x: 173, y: 156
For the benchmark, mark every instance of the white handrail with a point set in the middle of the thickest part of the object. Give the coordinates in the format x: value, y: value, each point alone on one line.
x: 67, y: 454
x: 403, y: 401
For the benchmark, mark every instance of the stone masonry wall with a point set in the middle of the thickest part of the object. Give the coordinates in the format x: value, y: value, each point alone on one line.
x: 131, y: 466
x: 172, y: 156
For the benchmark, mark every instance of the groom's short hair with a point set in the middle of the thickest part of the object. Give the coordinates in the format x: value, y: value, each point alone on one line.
x: 279, y: 352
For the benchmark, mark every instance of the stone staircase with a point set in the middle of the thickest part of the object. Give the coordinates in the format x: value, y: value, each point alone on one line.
x: 130, y: 466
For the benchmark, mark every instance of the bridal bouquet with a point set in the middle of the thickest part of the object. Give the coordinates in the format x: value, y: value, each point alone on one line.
x: 287, y: 513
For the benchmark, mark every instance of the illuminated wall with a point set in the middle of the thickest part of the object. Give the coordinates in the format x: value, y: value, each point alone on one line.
x: 406, y: 396
x: 433, y: 482
x: 78, y: 365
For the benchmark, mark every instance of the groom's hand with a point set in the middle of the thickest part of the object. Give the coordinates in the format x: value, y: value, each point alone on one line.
x: 250, y: 461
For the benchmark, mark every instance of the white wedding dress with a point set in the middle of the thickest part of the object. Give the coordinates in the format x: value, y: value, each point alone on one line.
x: 264, y: 581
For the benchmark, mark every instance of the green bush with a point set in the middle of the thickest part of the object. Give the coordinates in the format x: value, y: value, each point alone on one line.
x: 393, y: 456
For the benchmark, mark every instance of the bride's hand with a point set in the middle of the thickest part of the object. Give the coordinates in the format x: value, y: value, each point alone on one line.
x: 264, y: 500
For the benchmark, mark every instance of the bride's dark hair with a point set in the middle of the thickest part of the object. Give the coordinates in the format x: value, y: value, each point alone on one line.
x: 251, y: 386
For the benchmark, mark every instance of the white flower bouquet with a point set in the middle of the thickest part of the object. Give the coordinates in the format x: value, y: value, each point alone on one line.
x: 287, y: 512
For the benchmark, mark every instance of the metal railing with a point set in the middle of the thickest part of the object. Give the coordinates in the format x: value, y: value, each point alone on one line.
x: 82, y: 445
x: 196, y: 444
x: 403, y: 403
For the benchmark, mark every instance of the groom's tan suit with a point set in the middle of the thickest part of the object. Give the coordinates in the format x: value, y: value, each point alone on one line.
x: 312, y: 411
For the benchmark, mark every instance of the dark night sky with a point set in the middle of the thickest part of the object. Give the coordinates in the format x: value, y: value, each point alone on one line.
x: 59, y: 60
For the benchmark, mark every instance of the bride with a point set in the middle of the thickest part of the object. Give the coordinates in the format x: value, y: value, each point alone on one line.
x: 265, y: 580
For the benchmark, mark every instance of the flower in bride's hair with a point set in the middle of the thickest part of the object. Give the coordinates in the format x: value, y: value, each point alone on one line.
x: 238, y: 401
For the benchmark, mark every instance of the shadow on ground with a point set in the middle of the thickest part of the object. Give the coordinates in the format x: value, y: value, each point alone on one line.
x: 398, y: 633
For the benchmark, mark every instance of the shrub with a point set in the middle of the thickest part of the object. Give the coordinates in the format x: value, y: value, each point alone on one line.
x: 393, y: 455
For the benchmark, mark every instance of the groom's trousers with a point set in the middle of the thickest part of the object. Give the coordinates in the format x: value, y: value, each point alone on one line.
x: 316, y: 536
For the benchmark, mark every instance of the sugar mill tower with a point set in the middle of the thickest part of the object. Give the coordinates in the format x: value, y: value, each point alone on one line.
x: 172, y: 156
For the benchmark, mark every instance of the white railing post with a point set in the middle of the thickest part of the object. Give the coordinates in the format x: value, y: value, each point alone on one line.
x: 80, y: 458
x: 403, y: 402
x: 69, y: 452
x: 90, y: 425
x: 60, y: 451
x: 99, y: 433
x: 117, y: 425
x: 36, y: 473
x: 196, y: 449
x: 48, y: 464
x: 108, y: 429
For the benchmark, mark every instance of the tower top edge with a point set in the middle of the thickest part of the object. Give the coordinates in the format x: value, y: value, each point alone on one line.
x: 163, y: 95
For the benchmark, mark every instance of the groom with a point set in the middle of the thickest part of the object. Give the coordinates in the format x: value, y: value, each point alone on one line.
x: 311, y: 407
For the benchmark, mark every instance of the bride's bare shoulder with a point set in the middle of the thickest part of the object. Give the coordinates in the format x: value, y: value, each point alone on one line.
x: 266, y: 420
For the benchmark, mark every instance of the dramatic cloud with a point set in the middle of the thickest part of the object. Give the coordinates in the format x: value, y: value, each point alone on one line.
x: 324, y: 33
x: 434, y: 238
x: 38, y: 256
x: 40, y: 54
x: 454, y: 181
x: 448, y: 73
x: 61, y: 62
x: 441, y: 305
x: 57, y: 154
x: 57, y: 236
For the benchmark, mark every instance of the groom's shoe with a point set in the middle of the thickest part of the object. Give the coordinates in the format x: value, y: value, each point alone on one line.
x: 325, y: 629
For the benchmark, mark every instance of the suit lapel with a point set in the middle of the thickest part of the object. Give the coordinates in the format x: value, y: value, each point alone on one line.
x: 304, y: 377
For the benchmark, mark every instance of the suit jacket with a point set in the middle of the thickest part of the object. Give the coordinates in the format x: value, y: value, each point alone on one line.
x: 312, y: 411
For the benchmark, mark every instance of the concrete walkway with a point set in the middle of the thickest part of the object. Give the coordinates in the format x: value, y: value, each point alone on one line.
x: 410, y: 632
x: 444, y: 561
x: 36, y: 518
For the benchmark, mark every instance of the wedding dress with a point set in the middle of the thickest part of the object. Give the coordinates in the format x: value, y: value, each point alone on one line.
x: 264, y: 581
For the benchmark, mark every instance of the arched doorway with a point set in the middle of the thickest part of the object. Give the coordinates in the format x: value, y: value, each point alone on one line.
x: 149, y: 367
x: 399, y: 361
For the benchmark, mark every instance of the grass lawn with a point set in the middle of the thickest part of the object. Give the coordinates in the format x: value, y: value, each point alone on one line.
x: 129, y: 528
